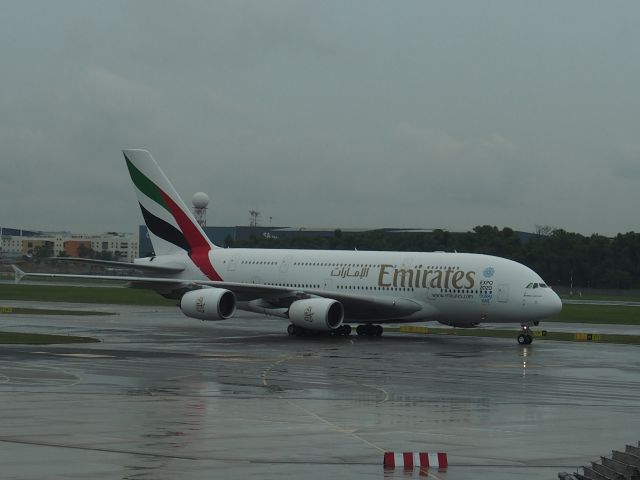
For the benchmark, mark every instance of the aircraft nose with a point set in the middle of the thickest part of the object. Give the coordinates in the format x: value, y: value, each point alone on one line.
x: 554, y: 304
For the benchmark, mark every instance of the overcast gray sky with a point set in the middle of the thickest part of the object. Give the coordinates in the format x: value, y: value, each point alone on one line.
x: 325, y: 113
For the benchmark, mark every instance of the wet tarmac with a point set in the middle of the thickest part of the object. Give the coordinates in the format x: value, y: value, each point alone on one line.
x: 164, y: 396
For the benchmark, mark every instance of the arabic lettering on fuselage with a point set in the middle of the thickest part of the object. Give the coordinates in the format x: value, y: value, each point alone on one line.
x: 344, y: 272
x: 391, y: 276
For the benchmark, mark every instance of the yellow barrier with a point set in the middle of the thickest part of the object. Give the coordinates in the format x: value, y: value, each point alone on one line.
x: 588, y: 337
x: 578, y: 337
x: 6, y: 309
x: 413, y: 329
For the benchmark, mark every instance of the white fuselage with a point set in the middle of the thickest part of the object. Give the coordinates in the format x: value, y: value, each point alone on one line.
x: 458, y: 288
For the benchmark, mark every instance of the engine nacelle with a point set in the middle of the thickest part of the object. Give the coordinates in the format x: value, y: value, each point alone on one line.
x: 208, y: 304
x: 322, y: 314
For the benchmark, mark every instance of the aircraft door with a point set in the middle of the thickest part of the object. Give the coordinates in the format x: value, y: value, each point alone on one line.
x: 284, y: 264
x: 329, y: 284
x: 503, y: 292
x: 231, y: 266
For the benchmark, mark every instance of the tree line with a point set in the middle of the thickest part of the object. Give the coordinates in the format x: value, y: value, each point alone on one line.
x: 562, y: 258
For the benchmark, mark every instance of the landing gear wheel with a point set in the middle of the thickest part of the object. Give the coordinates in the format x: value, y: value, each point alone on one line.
x: 291, y: 329
x: 369, y: 330
x: 525, y: 337
x: 341, y: 330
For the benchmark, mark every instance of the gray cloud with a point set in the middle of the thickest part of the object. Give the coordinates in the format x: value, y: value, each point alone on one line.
x: 626, y: 163
x: 344, y: 114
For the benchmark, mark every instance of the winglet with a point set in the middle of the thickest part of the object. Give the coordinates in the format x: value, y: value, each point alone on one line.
x: 19, y: 274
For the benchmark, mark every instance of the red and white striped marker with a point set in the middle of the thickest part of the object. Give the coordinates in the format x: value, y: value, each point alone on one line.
x: 411, y: 460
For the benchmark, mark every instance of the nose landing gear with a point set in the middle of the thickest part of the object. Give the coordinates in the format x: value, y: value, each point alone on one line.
x: 525, y: 337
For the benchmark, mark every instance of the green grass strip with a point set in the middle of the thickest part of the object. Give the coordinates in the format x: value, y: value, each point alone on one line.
x: 75, y: 294
x: 603, y: 314
x: 41, y: 339
x: 597, y: 297
x: 49, y: 311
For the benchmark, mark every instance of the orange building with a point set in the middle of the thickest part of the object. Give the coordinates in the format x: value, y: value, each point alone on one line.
x: 71, y: 246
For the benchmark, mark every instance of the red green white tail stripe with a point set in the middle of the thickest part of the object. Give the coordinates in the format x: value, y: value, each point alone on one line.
x: 170, y: 223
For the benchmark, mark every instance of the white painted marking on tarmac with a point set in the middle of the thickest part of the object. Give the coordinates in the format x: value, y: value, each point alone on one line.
x: 431, y: 474
x: 375, y: 387
x: 83, y: 355
x: 229, y: 357
x: 334, y: 426
x: 265, y: 382
x: 182, y: 377
x: 267, y: 371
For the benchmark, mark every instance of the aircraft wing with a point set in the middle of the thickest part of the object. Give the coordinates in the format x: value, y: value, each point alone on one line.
x: 363, y: 307
x: 245, y: 291
x: 157, y: 281
x: 140, y: 267
x: 355, y: 306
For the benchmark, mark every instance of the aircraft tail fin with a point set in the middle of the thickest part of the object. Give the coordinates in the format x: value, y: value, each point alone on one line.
x: 170, y: 223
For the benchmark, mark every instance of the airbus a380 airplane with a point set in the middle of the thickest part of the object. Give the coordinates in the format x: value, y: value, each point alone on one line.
x: 323, y: 290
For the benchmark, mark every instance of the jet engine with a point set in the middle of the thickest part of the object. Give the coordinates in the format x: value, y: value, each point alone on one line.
x: 321, y: 314
x: 208, y: 304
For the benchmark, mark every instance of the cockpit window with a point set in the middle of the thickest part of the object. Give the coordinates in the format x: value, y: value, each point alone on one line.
x: 537, y: 285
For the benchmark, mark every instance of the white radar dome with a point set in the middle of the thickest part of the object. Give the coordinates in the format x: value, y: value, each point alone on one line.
x: 200, y: 200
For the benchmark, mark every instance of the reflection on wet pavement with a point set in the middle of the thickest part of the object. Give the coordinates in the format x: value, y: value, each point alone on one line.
x: 164, y: 396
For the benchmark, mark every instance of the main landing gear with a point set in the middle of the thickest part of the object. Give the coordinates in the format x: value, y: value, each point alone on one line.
x: 369, y: 330
x: 365, y: 329
x: 295, y: 330
x: 526, y: 336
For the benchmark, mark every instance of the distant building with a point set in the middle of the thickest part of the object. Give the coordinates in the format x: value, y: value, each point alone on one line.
x: 15, y: 242
x: 123, y: 246
x: 74, y: 248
